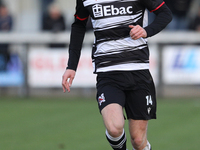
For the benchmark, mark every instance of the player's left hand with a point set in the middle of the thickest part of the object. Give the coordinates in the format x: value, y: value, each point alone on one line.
x: 137, y: 32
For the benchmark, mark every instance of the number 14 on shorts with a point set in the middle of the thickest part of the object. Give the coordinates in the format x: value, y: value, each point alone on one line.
x: 149, y: 103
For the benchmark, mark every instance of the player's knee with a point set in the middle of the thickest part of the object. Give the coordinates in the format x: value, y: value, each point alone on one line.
x: 115, y: 131
x: 138, y: 142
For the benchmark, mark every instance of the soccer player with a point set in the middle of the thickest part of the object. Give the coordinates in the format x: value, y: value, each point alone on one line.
x: 120, y: 58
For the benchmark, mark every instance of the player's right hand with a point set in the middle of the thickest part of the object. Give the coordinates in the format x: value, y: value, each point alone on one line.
x: 67, y: 79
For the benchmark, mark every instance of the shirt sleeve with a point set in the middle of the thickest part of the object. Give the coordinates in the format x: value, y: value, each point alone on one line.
x: 162, y: 19
x: 153, y: 5
x: 81, y: 12
x: 78, y: 29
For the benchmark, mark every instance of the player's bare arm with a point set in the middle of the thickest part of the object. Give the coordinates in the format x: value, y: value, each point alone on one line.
x: 67, y: 79
x: 137, y: 32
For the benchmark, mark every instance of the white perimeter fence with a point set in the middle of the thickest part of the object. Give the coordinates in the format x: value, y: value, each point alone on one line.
x: 174, y: 62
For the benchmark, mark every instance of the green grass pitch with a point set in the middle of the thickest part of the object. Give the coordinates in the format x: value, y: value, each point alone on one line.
x: 75, y: 124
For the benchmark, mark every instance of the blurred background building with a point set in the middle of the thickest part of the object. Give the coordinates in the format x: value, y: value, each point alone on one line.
x: 34, y: 38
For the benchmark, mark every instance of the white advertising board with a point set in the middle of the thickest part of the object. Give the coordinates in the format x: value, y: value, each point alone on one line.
x: 46, y: 67
x: 181, y: 64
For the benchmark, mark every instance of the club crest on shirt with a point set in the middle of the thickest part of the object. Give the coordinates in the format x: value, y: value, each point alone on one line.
x: 101, y: 99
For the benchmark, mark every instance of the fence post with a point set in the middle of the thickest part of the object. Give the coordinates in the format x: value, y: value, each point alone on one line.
x: 24, y: 56
x: 160, y: 88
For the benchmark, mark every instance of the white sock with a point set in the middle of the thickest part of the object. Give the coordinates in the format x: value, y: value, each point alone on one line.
x: 148, y: 146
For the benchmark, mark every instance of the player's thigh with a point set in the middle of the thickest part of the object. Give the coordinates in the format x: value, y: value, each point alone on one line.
x: 113, y: 117
x: 138, y: 129
x: 111, y: 100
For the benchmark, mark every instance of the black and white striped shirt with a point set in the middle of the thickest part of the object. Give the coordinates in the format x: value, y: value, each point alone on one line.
x: 113, y: 49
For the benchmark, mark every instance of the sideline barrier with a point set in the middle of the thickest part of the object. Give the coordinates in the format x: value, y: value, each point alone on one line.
x: 158, y: 42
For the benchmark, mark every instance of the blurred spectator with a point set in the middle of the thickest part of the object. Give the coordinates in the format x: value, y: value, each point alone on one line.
x: 54, y: 21
x: 5, y: 19
x: 5, y: 26
x: 195, y: 23
x: 180, y: 9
